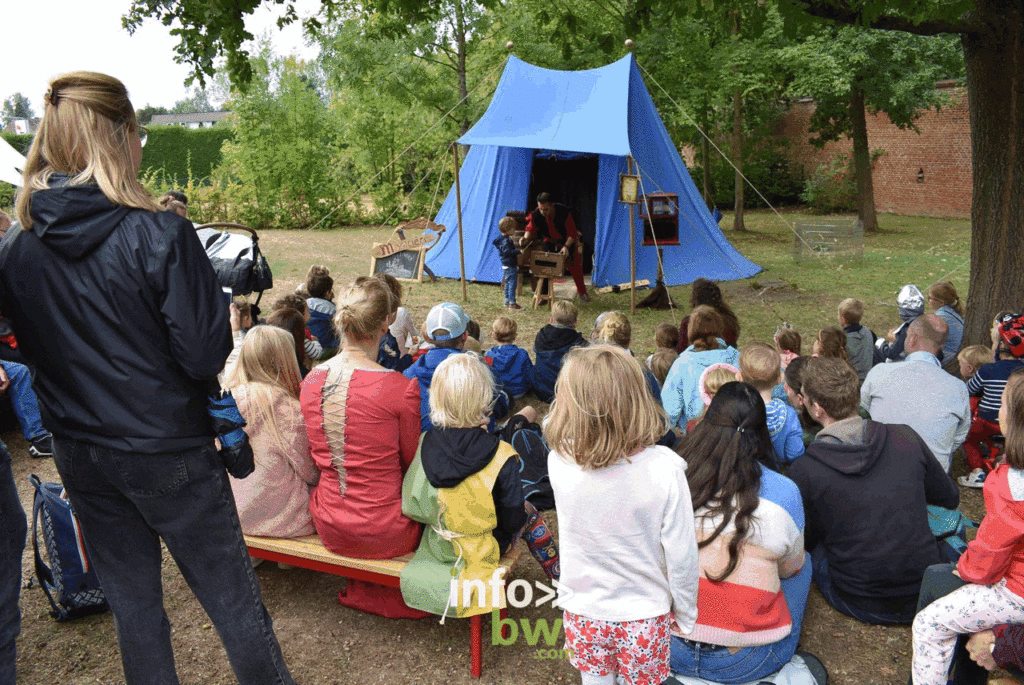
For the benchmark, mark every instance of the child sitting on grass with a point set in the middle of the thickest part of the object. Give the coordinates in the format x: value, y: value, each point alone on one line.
x: 510, y: 362
x: 391, y: 354
x: 626, y: 525
x: 860, y: 340
x: 787, y: 342
x: 314, y: 350
x: 464, y: 485
x: 992, y: 565
x: 713, y: 378
x: 660, y: 362
x: 445, y: 327
x: 988, y: 384
x: 666, y: 337
x: 551, y: 345
x: 320, y: 287
x: 759, y: 368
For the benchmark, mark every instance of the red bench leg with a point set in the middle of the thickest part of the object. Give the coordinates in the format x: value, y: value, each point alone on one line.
x: 503, y: 614
x: 476, y: 624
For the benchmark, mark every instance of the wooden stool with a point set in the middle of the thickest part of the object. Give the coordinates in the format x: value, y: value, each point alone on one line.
x: 542, y: 293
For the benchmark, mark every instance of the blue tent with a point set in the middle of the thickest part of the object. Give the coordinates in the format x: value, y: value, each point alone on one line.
x: 570, y: 133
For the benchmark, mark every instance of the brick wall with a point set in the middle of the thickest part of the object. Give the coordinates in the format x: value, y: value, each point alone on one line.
x: 942, y: 151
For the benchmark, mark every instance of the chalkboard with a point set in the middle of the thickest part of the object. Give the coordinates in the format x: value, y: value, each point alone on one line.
x: 405, y: 265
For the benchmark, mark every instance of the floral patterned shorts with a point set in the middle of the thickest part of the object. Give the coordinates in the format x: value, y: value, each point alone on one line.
x: 639, y: 650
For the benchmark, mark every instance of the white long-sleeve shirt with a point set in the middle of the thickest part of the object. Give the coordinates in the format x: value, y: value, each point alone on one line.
x: 626, y: 538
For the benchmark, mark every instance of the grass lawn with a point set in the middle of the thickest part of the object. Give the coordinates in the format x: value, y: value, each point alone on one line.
x: 325, y: 643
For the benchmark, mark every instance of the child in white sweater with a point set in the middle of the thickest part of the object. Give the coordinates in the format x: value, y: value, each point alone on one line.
x: 625, y: 521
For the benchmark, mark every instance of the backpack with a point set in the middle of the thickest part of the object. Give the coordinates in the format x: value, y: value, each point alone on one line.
x: 70, y: 582
x: 949, y: 526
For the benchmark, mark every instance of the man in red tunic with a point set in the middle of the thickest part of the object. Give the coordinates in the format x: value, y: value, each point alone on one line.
x: 553, y: 224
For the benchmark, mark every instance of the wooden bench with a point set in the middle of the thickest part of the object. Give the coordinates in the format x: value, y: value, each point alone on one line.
x: 309, y: 552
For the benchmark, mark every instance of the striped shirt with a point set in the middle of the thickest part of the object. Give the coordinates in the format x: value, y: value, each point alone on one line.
x: 748, y: 608
x: 989, y: 382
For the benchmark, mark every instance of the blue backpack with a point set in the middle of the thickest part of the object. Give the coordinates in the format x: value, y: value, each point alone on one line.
x: 69, y: 581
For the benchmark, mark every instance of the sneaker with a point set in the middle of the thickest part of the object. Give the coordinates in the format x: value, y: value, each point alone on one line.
x: 975, y: 479
x: 515, y: 305
x: 41, y: 447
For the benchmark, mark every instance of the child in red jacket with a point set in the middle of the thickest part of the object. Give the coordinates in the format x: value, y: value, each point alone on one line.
x: 993, y: 564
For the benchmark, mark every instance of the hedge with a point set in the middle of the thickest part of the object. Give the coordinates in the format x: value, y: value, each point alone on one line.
x: 174, y: 151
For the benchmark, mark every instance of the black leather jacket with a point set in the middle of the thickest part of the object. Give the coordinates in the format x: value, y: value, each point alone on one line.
x: 121, y: 314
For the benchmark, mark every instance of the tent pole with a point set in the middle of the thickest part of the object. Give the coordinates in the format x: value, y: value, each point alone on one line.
x: 632, y: 247
x: 458, y: 207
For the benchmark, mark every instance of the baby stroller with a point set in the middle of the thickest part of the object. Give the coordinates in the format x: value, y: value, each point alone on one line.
x: 236, y: 258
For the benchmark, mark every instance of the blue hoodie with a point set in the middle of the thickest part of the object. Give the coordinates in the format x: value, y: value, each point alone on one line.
x: 680, y: 394
x: 423, y: 371
x: 512, y: 367
x: 321, y: 321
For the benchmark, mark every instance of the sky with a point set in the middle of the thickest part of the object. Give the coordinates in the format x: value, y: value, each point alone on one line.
x: 51, y: 37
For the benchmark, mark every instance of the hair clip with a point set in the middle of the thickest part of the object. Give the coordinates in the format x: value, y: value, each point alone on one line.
x: 739, y: 429
x: 51, y: 96
x: 782, y: 326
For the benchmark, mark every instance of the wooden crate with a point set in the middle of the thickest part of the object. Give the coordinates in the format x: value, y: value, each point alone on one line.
x: 547, y: 264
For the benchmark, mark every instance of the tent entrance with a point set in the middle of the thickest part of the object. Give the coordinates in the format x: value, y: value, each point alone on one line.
x: 572, y: 178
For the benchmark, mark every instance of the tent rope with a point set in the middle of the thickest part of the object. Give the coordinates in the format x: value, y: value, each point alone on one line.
x: 785, y: 223
x: 437, y: 123
x: 713, y: 246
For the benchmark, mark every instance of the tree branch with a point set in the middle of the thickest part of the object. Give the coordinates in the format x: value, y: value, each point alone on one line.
x: 843, y: 13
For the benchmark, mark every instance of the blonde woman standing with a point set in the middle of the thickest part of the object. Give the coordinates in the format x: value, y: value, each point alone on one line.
x: 116, y: 305
x: 274, y: 500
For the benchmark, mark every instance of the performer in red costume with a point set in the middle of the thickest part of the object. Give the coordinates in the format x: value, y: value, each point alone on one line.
x: 553, y: 224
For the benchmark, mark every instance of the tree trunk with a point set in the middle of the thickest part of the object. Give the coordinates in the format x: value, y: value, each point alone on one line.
x: 862, y: 163
x: 705, y: 153
x: 737, y: 144
x: 460, y: 39
x: 995, y: 83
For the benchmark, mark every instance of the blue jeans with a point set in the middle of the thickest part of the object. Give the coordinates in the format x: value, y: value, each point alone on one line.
x: 749, y: 663
x: 509, y: 280
x: 12, y: 543
x: 126, y: 503
x: 872, y: 616
x: 23, y: 399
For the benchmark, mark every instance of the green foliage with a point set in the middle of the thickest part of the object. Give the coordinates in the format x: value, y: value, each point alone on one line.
x: 895, y: 71
x: 19, y: 141
x: 17, y: 106
x: 832, y: 187
x: 174, y: 153
x: 767, y: 169
x: 198, y: 101
x: 145, y: 115
x: 280, y: 169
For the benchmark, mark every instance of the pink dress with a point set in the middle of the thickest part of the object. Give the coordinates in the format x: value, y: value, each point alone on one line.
x: 363, y: 447
x: 273, y: 500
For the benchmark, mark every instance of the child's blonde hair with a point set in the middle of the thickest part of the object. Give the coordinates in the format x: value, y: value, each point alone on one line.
x: 713, y: 378
x: 564, y: 313
x: 975, y: 355
x: 760, y: 366
x: 507, y: 225
x: 266, y: 361
x: 504, y: 329
x: 661, y: 363
x: 613, y: 327
x: 666, y: 335
x: 603, y: 410
x: 851, y: 310
x: 461, y: 392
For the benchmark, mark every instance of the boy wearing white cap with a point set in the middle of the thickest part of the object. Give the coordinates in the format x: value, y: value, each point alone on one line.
x: 446, y: 328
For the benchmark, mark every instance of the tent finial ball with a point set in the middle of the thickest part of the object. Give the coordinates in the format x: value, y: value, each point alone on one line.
x: 509, y: 45
x: 629, y: 43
